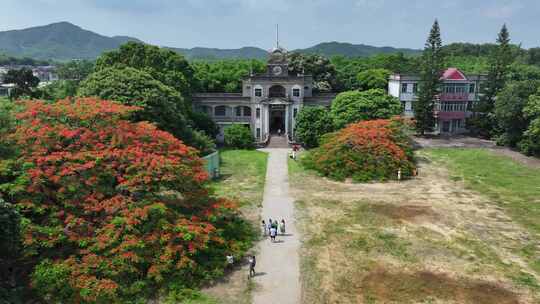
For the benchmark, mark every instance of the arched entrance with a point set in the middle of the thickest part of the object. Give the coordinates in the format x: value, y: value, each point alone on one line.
x: 277, y: 119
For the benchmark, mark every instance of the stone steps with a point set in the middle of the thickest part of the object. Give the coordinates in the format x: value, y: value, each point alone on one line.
x: 278, y: 142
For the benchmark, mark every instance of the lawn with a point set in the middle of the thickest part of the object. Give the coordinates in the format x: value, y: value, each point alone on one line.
x: 512, y: 185
x: 242, y: 178
x: 432, y: 239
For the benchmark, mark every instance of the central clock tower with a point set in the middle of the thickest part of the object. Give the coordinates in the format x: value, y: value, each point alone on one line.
x: 277, y: 63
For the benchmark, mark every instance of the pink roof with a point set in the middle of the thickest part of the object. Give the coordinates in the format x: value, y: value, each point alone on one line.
x: 453, y: 74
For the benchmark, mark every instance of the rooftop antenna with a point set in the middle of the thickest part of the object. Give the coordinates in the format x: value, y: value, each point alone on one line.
x: 277, y: 36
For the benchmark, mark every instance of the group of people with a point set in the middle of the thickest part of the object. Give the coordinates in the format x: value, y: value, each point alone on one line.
x: 271, y: 228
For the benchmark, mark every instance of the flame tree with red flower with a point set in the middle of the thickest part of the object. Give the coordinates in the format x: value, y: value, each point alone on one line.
x: 364, y: 151
x: 114, y: 209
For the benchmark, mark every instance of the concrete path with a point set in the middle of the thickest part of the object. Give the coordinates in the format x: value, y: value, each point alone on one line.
x: 278, y: 269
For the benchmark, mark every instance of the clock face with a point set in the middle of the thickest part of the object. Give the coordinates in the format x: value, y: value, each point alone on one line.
x: 277, y: 70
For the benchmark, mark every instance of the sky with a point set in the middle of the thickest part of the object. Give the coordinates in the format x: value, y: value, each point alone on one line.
x: 303, y: 23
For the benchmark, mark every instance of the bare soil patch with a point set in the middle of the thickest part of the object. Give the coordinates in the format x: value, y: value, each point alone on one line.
x: 383, y: 286
x: 404, y: 213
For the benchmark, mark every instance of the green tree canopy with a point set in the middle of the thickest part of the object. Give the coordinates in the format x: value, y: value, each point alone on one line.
x: 349, y: 68
x: 530, y: 144
x: 320, y: 67
x: 353, y: 106
x: 224, y: 75
x: 509, y: 110
x: 431, y: 68
x: 161, y: 104
x: 76, y: 70
x: 500, y: 59
x: 373, y: 79
x: 171, y: 68
x: 311, y: 124
x: 25, y: 83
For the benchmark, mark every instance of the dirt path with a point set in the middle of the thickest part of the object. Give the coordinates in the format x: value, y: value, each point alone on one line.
x: 278, y: 270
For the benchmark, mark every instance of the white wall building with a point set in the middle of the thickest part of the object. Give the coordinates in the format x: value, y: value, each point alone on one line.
x: 459, y: 93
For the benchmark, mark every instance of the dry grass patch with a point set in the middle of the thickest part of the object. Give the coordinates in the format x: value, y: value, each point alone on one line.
x: 439, y: 241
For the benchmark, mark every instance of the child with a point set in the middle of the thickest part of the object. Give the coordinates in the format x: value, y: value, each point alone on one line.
x: 282, y: 227
x: 263, y: 228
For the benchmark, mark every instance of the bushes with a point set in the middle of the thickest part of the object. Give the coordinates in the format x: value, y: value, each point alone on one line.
x: 368, y: 150
x: 239, y: 137
x: 353, y: 106
x: 311, y: 124
x: 530, y: 144
x: 115, y: 210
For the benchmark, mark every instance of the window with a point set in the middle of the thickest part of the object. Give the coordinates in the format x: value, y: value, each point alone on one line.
x: 472, y: 88
x: 220, y: 111
x: 277, y: 91
x: 295, y: 111
x: 258, y: 132
x: 415, y: 87
x: 296, y: 92
x: 258, y: 113
x: 458, y: 88
x: 446, y: 126
x: 238, y: 111
x: 404, y: 87
x: 247, y: 111
x: 258, y: 92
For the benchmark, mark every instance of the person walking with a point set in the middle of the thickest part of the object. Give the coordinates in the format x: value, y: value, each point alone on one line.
x: 273, y: 233
x: 252, y: 263
x: 282, y: 227
x: 230, y: 260
x: 275, y: 225
x: 269, y: 225
x: 263, y: 228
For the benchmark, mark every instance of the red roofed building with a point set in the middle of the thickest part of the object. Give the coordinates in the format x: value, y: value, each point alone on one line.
x: 458, y: 94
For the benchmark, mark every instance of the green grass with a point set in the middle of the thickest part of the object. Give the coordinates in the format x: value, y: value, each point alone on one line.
x: 513, y: 186
x: 243, y: 174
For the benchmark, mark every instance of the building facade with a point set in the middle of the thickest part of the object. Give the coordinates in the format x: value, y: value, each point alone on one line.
x: 268, y: 103
x: 46, y: 75
x: 458, y: 95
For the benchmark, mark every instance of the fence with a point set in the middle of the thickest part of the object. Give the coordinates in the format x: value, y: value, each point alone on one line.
x: 212, y: 164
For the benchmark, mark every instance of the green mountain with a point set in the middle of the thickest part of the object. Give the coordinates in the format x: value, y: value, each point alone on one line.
x: 330, y: 49
x: 57, y: 41
x: 65, y: 41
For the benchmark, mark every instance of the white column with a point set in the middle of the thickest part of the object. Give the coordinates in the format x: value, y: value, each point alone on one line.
x: 286, y: 119
x: 266, y: 118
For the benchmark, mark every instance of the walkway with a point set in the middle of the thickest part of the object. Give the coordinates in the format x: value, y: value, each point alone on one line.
x: 278, y: 270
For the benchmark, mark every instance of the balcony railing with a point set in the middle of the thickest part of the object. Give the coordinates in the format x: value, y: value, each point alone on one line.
x: 454, y: 96
x: 231, y: 118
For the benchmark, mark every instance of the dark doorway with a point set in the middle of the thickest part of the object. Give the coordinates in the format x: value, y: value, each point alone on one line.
x: 277, y: 118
